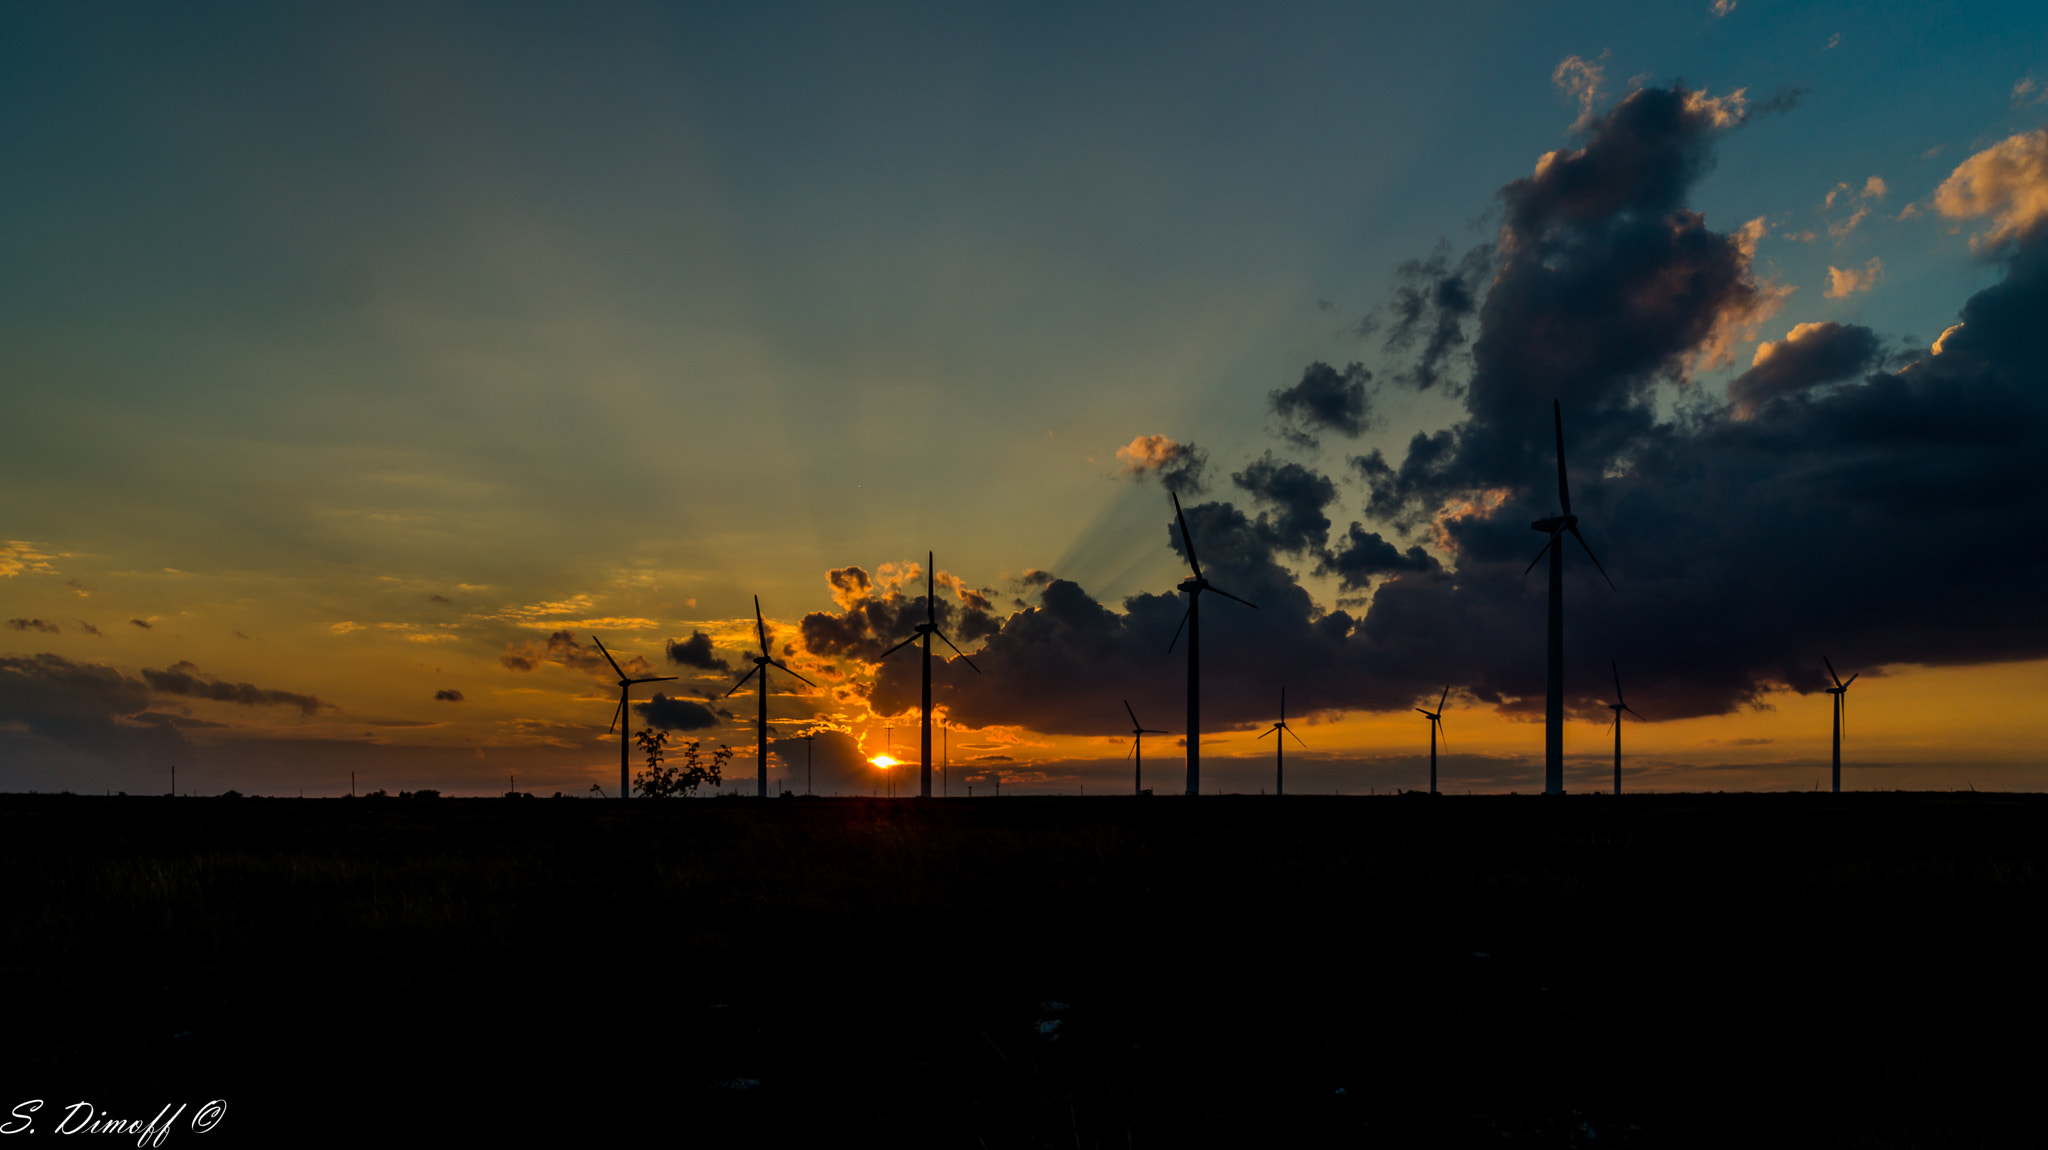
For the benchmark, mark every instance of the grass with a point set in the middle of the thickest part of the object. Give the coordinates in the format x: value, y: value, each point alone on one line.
x: 1700, y: 970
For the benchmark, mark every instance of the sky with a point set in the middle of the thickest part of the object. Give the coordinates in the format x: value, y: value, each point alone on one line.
x: 364, y: 366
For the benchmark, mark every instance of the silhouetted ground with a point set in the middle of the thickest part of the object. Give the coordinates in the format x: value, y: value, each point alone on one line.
x: 1711, y: 971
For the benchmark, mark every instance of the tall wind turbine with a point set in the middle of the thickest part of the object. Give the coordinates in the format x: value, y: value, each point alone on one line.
x: 925, y: 631
x: 1138, y: 733
x: 1436, y: 726
x: 623, y: 718
x: 1555, y: 526
x: 1619, y: 705
x: 1841, y: 693
x: 1193, y: 586
x: 1280, y: 745
x: 762, y: 662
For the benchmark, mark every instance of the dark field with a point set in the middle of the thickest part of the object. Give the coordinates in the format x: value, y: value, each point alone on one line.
x: 1739, y: 970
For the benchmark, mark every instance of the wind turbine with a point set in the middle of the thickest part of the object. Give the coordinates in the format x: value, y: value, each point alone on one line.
x: 762, y: 662
x: 1841, y: 693
x: 1556, y: 526
x: 623, y: 719
x: 1436, y: 726
x: 1138, y: 733
x: 925, y: 631
x: 1280, y: 745
x: 1194, y: 585
x: 1618, y: 706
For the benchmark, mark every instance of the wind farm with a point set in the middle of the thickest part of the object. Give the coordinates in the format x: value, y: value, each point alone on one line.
x: 393, y: 393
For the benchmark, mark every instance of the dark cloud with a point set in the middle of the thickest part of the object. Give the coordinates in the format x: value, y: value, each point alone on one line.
x: 1297, y: 496
x: 696, y: 651
x: 89, y: 629
x: 183, y: 678
x: 671, y: 714
x: 448, y: 695
x: 1432, y: 301
x: 86, y: 708
x: 143, y: 623
x: 439, y: 599
x: 1325, y: 399
x: 33, y: 625
x: 1811, y: 354
x: 1362, y: 556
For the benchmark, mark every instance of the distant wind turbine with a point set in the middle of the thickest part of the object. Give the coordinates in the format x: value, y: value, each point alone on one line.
x: 1138, y: 733
x: 1841, y: 693
x: 762, y: 662
x: 925, y: 631
x: 1193, y: 586
x: 623, y: 718
x: 1280, y: 745
x: 1556, y: 526
x: 1436, y: 726
x: 1619, y: 705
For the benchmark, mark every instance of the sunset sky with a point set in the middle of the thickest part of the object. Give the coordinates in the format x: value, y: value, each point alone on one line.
x: 361, y: 363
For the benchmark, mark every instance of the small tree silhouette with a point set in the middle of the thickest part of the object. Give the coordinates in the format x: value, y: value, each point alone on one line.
x: 660, y: 781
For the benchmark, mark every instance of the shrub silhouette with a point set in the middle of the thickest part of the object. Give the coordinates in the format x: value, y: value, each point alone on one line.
x: 662, y: 781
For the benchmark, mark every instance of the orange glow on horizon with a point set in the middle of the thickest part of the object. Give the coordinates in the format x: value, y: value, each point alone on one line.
x: 885, y: 761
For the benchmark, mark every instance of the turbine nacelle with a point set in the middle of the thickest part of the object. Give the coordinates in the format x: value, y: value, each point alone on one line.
x: 1555, y: 524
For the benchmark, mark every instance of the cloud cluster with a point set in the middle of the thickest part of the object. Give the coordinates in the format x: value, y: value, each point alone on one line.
x: 670, y: 714
x: 1746, y: 540
x: 564, y: 649
x: 696, y: 652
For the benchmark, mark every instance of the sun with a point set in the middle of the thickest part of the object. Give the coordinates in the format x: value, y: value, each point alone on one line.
x: 885, y: 761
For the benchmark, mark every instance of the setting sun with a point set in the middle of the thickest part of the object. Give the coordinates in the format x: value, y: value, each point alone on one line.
x: 885, y: 761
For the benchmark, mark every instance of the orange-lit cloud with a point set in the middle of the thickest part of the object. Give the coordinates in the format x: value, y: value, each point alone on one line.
x: 1845, y: 282
x: 2007, y: 182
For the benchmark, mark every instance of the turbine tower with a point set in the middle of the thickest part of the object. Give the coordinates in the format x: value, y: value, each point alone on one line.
x: 1618, y: 706
x: 1436, y: 726
x: 622, y: 718
x: 1841, y: 693
x: 1193, y: 586
x: 1280, y: 745
x: 925, y: 631
x: 1556, y: 526
x: 762, y: 662
x: 1138, y: 733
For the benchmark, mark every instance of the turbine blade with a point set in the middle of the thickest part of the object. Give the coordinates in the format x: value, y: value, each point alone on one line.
x: 793, y: 674
x: 607, y: 655
x: 956, y: 650
x: 1633, y: 711
x: 898, y: 647
x: 1831, y: 671
x: 1133, y: 714
x: 743, y: 680
x: 1595, y: 558
x: 656, y: 679
x: 1564, y: 491
x: 1155, y: 732
x: 1183, y: 624
x: 615, y: 714
x: 931, y: 607
x: 1442, y: 735
x: 1420, y: 711
x: 1441, y: 698
x: 1270, y: 730
x: 1186, y: 540
x: 1235, y: 599
x: 1540, y: 554
x: 1297, y: 738
x: 760, y: 628
x: 1852, y: 678
x: 1617, y: 682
